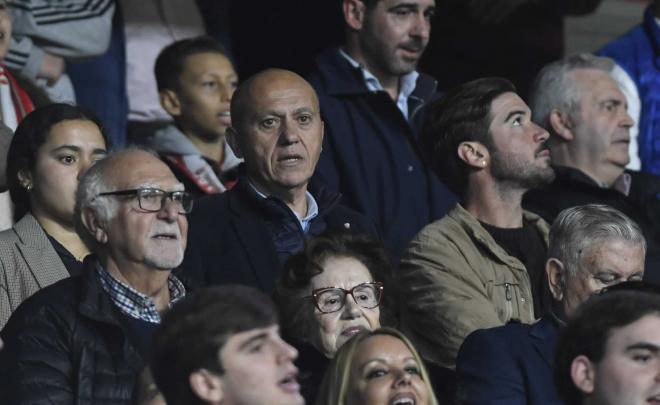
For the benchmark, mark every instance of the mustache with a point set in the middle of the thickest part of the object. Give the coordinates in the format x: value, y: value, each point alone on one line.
x: 542, y: 148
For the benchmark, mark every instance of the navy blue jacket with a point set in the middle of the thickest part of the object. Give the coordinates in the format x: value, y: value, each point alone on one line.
x: 509, y: 365
x: 371, y: 153
x: 231, y: 238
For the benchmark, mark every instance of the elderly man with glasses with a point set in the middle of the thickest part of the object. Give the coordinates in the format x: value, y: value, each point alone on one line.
x: 84, y: 339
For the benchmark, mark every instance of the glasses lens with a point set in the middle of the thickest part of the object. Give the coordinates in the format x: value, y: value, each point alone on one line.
x: 330, y: 300
x: 183, y: 200
x: 150, y: 200
x: 366, y: 295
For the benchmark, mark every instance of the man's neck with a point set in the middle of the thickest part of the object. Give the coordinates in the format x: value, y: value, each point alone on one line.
x: 495, y: 206
x: 295, y: 198
x: 390, y: 83
x: 148, y: 281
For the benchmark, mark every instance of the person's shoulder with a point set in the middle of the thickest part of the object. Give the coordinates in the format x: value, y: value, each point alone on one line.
x: 510, y: 334
x: 59, y: 300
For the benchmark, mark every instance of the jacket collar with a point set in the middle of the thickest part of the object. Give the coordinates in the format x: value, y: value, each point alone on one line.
x: 38, y: 252
x: 346, y: 80
x: 477, y: 232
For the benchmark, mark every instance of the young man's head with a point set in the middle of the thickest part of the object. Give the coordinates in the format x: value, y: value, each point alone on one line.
x: 484, y: 126
x: 222, y: 345
x: 609, y: 353
x: 196, y: 81
x: 388, y: 37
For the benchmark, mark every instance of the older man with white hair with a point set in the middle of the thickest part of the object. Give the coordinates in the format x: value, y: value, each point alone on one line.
x: 84, y: 339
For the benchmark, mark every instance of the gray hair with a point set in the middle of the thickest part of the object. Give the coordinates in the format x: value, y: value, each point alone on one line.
x: 554, y: 87
x: 578, y: 229
x: 94, y: 182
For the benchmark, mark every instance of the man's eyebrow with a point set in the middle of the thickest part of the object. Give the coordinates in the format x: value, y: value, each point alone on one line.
x: 251, y: 340
x: 514, y: 113
x: 644, y: 346
x: 410, y: 6
x: 303, y: 110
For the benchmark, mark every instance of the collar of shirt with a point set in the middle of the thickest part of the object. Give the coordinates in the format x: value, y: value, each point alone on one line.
x: 134, y: 303
x: 312, y: 207
x: 623, y: 183
x: 407, y: 83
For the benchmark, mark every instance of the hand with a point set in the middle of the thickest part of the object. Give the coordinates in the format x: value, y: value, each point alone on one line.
x: 494, y: 11
x: 52, y: 68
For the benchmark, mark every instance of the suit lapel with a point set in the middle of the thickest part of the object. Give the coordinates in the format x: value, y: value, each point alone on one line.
x: 40, y: 256
x: 256, y: 242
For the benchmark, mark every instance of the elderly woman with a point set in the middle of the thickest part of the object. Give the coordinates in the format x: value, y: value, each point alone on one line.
x: 379, y: 367
x: 52, y: 147
x: 326, y: 294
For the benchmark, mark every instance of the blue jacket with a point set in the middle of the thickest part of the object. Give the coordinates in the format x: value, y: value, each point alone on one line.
x: 371, y: 154
x: 236, y: 237
x: 509, y: 365
x: 638, y: 53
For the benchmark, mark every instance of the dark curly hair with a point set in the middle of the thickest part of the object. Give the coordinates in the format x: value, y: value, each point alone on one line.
x: 293, y: 283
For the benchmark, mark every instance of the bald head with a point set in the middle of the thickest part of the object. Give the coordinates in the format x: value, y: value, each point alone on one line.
x: 262, y: 84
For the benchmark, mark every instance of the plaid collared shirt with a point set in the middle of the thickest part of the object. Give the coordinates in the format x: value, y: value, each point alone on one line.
x: 134, y: 303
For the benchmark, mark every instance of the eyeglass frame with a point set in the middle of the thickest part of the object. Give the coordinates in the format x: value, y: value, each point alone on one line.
x: 135, y: 192
x: 316, y: 291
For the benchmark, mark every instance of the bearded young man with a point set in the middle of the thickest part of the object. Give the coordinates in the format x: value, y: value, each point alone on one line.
x: 482, y: 264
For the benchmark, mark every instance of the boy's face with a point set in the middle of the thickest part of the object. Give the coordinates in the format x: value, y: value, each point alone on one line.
x: 206, y: 86
x: 5, y: 29
x: 259, y: 369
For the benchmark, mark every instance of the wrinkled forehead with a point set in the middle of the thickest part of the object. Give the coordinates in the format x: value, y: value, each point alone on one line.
x: 277, y: 91
x: 141, y: 170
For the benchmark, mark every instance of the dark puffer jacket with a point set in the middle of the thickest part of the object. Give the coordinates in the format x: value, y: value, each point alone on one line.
x: 65, y: 345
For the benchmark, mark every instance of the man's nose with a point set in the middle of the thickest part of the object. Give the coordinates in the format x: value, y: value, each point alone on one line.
x: 421, y: 27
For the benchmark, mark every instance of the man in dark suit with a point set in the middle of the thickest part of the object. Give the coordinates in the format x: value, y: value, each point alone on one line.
x: 244, y: 235
x: 591, y: 247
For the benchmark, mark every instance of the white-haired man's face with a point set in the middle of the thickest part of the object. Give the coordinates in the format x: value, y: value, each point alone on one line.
x: 602, y: 265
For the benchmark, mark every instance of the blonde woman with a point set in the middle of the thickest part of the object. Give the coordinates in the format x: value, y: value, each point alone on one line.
x: 379, y: 367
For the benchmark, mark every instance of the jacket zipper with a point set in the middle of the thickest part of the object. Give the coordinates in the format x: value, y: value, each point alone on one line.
x: 509, y: 297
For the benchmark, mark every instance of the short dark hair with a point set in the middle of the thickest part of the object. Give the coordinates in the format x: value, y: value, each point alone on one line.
x: 299, y: 269
x: 30, y: 134
x: 170, y: 61
x: 194, y: 331
x: 587, y: 333
x: 463, y: 114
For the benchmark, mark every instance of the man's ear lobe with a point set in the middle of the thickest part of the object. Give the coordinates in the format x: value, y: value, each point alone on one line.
x: 207, y: 386
x: 94, y: 226
x: 556, y: 274
x: 169, y: 100
x: 354, y: 11
x: 561, y: 124
x: 583, y: 374
x: 474, y: 154
x: 231, y: 137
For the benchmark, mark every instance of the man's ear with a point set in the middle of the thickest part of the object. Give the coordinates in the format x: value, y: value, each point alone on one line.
x: 474, y: 154
x: 561, y: 124
x: 232, y: 139
x: 354, y: 11
x: 207, y: 386
x: 556, y: 273
x: 583, y: 374
x: 94, y: 226
x: 170, y: 102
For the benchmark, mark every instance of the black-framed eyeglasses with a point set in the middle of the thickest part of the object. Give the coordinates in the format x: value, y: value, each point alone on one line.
x: 153, y: 199
x: 332, y: 299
